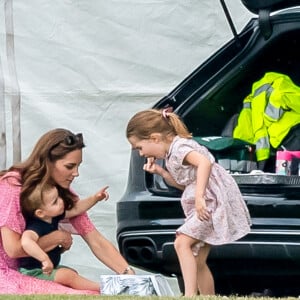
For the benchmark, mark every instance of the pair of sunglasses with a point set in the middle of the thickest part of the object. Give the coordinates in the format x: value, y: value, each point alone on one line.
x: 69, y: 140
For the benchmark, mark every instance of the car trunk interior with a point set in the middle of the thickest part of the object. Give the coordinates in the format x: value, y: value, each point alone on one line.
x: 214, y: 110
x: 206, y: 111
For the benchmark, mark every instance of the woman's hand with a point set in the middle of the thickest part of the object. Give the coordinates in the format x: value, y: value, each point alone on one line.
x: 65, y: 239
x: 128, y: 271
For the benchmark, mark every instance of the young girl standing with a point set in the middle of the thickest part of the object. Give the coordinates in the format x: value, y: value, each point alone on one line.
x: 215, y: 211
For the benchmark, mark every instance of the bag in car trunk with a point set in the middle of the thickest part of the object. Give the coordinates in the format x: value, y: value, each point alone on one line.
x: 235, y: 155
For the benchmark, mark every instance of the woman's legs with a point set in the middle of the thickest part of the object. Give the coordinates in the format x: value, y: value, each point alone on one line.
x: 71, y: 278
x: 205, y: 279
x: 183, y: 246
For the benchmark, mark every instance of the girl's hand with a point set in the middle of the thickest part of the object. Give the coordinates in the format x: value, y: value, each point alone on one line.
x: 102, y: 194
x: 202, y: 212
x: 152, y: 167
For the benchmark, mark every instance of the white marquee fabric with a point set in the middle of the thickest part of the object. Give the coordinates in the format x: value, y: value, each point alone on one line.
x: 89, y: 66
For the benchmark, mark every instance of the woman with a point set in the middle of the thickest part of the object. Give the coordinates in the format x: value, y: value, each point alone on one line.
x: 55, y: 159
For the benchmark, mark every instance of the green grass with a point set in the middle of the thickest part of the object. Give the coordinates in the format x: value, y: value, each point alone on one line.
x: 126, y: 297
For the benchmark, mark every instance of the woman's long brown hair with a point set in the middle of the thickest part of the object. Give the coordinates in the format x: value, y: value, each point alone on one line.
x: 35, y: 170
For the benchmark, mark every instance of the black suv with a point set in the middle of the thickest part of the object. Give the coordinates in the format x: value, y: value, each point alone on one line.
x: 149, y: 212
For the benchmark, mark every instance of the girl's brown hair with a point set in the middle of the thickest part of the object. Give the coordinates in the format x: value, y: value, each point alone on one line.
x: 149, y: 121
x: 52, y: 146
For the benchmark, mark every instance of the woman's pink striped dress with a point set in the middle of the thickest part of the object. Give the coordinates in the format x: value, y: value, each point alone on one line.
x: 11, y: 281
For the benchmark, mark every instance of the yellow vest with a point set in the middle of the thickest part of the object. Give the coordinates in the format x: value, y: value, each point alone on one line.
x: 269, y: 112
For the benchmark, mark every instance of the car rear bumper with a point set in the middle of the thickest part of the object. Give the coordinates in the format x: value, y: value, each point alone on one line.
x: 154, y: 250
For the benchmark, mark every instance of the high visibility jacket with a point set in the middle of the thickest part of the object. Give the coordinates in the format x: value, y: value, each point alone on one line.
x: 269, y: 112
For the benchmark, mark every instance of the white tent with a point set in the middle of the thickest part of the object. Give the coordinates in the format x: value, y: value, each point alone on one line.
x: 88, y: 66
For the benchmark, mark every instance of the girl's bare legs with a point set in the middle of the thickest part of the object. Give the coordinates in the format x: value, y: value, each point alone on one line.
x: 71, y: 278
x: 188, y: 264
x: 205, y: 281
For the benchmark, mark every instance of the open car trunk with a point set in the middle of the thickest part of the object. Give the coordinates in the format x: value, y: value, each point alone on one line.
x: 209, y: 98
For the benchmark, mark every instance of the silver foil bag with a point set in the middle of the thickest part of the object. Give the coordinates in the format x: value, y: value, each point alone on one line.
x: 140, y: 285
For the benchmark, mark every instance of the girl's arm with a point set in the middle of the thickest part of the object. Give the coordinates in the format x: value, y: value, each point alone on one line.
x: 83, y: 205
x: 169, y: 179
x: 154, y: 168
x: 203, y: 165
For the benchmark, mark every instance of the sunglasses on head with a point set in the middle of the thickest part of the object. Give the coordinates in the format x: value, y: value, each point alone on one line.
x: 69, y: 140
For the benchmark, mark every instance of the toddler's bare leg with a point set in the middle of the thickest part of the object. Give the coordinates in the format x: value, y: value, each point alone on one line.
x: 71, y: 278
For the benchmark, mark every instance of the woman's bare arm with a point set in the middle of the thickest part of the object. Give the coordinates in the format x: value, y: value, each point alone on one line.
x: 107, y: 253
x: 12, y: 242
